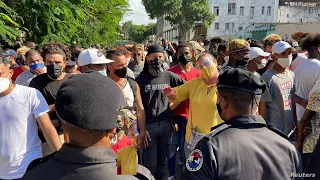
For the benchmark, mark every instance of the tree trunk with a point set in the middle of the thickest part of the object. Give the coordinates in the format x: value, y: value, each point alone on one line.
x: 182, y: 33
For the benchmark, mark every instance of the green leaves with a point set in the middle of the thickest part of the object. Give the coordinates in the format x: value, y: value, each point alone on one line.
x: 8, y: 27
x: 180, y: 13
x: 84, y: 21
x: 137, y: 33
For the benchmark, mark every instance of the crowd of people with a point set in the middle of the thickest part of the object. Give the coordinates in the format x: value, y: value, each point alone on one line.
x: 243, y: 109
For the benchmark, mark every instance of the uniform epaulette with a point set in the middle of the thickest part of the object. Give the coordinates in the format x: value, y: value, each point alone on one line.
x: 216, y: 130
x: 39, y: 161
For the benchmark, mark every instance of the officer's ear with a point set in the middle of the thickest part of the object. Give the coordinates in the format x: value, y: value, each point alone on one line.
x: 111, y: 133
x: 221, y: 100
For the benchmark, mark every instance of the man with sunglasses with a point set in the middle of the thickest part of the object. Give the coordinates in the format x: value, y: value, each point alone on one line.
x: 276, y: 105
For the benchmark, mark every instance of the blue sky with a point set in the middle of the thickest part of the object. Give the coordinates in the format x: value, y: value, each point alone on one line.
x: 138, y: 14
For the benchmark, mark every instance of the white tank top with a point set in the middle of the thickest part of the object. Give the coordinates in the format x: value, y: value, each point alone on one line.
x: 129, y: 96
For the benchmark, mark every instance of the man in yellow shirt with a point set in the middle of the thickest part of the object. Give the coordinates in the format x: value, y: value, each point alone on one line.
x: 201, y: 92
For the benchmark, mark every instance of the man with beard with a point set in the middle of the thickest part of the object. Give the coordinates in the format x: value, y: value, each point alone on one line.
x: 238, y: 52
x: 49, y: 83
x: 152, y: 80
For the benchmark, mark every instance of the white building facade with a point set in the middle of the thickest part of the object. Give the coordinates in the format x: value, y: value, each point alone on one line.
x: 232, y: 16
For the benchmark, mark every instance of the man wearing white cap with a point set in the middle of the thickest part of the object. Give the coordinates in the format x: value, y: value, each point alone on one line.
x: 257, y: 60
x: 94, y: 60
x: 276, y: 105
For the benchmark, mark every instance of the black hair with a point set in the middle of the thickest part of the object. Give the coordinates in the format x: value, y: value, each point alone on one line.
x: 216, y: 40
x: 311, y: 42
x: 31, y: 52
x: 255, y: 43
x: 182, y: 45
x: 240, y: 100
x: 54, y: 48
x: 112, y: 53
x: 222, y: 47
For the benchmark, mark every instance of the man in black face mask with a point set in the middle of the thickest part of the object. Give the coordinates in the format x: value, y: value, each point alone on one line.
x: 131, y: 91
x: 159, y: 118
x: 184, y: 70
x: 49, y: 83
x: 238, y: 52
x: 244, y: 144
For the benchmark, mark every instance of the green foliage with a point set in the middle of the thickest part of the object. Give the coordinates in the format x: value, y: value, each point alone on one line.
x: 137, y: 33
x: 180, y: 13
x: 84, y: 21
x: 8, y: 27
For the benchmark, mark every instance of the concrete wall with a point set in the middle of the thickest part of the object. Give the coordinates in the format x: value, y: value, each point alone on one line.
x: 240, y: 20
x: 297, y: 14
x: 286, y: 30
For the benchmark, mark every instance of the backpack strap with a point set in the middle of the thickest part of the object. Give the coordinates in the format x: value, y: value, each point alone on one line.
x: 133, y: 86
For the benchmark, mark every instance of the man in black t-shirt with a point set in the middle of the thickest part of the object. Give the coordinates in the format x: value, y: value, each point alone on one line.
x: 49, y: 83
x: 152, y: 80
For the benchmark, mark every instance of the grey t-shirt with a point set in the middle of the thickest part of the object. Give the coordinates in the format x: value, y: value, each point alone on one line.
x: 278, y: 98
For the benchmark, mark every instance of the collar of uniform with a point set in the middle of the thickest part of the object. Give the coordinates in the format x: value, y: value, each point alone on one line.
x: 94, y: 154
x: 246, y: 119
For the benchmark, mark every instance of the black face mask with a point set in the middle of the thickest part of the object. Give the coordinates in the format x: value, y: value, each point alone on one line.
x: 219, y: 110
x: 184, y: 59
x: 121, y: 73
x: 54, y: 71
x: 243, y: 64
x: 155, y: 67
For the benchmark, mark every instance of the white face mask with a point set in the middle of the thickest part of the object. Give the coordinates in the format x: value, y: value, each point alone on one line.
x: 284, y: 62
x: 4, y: 84
x: 263, y: 64
x: 104, y: 72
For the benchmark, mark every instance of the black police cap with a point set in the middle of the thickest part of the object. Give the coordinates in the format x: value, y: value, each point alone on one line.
x: 242, y: 80
x: 89, y: 101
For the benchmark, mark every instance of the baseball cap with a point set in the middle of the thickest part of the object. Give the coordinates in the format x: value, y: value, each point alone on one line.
x: 9, y: 52
x: 92, y: 56
x: 281, y: 46
x: 256, y: 52
x: 242, y: 80
x: 95, y: 108
x: 196, y: 46
x: 237, y: 45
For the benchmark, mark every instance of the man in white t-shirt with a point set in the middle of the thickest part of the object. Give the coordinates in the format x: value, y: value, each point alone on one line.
x: 20, y: 109
x: 307, y: 73
x: 35, y: 63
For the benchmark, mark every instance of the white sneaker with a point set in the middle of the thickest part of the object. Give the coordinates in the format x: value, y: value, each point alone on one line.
x: 171, y: 178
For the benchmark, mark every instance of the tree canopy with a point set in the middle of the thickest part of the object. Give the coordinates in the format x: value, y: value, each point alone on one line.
x: 83, y: 21
x: 137, y: 33
x: 8, y: 27
x: 180, y: 13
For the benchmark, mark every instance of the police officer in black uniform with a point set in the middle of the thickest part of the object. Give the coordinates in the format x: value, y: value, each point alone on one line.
x: 87, y: 105
x: 244, y: 147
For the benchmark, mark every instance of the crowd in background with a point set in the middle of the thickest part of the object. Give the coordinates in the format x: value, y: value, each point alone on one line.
x: 170, y: 100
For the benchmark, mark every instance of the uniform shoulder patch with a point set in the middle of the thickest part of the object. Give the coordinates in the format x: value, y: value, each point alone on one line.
x: 195, y: 160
